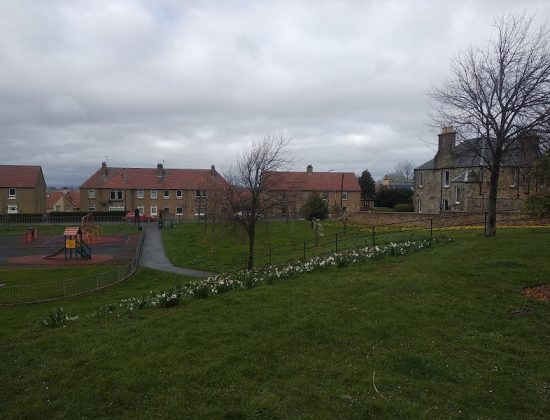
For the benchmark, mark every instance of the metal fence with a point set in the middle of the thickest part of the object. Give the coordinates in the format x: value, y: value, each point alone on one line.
x: 59, y: 288
x: 13, y: 219
x: 370, y: 235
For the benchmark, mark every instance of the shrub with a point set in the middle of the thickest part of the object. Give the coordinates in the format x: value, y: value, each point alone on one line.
x: 386, y: 197
x: 402, y: 207
x: 315, y: 208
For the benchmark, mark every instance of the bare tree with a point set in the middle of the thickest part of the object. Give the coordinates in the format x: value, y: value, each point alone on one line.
x: 405, y: 169
x: 253, y: 179
x: 498, y: 95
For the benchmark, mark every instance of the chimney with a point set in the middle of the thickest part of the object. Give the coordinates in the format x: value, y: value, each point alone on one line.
x: 445, y: 151
x: 160, y: 170
x: 103, y: 169
x: 309, y: 169
x: 386, y: 181
x: 213, y: 172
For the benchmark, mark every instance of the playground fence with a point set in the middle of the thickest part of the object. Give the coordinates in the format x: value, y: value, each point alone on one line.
x: 59, y: 288
x: 12, y: 219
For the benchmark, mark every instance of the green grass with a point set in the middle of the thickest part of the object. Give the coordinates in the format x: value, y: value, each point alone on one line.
x: 435, y: 328
x: 224, y: 247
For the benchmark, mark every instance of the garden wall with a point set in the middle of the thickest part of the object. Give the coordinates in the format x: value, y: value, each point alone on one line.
x: 443, y: 219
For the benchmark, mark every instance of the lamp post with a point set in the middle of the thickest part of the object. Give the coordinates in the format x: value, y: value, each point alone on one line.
x: 328, y: 195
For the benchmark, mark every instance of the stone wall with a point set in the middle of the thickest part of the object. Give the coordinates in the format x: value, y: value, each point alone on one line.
x: 441, y: 220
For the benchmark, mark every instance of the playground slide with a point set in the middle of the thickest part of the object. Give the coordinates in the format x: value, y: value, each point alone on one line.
x: 59, y: 251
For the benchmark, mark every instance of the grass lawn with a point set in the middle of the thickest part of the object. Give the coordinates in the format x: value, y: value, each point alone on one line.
x: 434, y: 334
x: 224, y: 247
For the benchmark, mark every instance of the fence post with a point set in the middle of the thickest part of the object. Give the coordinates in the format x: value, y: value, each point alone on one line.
x: 373, y: 235
x: 431, y: 228
x: 336, y: 235
x: 304, y: 250
x: 485, y: 224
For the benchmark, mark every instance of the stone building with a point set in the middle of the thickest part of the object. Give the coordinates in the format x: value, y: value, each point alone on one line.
x: 188, y: 193
x: 456, y: 179
x: 22, y: 190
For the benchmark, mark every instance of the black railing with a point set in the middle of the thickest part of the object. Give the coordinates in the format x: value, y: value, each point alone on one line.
x: 59, y: 288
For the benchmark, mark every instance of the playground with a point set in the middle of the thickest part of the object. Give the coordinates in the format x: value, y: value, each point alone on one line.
x: 81, y: 245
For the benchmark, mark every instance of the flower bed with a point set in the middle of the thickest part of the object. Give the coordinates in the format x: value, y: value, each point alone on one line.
x: 247, y: 279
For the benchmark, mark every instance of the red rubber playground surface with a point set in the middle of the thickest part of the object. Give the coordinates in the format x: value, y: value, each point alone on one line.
x: 108, y: 250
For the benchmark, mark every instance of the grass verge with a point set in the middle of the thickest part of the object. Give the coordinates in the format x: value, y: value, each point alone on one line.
x: 435, y: 332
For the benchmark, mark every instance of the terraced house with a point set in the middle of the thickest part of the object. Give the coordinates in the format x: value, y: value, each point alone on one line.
x: 188, y: 193
x: 22, y: 190
x: 456, y: 179
x: 340, y: 190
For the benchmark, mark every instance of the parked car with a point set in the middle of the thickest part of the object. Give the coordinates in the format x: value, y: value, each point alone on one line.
x: 131, y: 217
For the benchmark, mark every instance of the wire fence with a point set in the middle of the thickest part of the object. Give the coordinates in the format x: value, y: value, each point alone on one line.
x: 371, y: 235
x: 62, y: 287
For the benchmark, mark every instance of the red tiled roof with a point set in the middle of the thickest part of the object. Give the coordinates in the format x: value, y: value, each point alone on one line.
x: 315, y: 181
x: 19, y: 176
x: 146, y: 178
x: 74, y: 197
x: 52, y: 198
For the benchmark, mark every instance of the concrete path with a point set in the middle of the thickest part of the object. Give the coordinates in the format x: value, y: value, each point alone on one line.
x: 153, y: 255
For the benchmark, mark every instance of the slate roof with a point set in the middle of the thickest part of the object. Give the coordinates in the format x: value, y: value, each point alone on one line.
x: 147, y: 178
x: 19, y: 176
x: 314, y: 181
x: 464, y: 157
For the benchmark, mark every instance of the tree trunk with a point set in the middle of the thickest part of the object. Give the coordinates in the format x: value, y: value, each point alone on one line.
x: 491, y: 229
x: 251, y: 239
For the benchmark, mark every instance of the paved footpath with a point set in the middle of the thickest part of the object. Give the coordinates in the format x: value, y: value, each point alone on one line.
x: 153, y: 255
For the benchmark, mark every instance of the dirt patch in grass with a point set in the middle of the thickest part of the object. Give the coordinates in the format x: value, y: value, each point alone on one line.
x: 538, y: 292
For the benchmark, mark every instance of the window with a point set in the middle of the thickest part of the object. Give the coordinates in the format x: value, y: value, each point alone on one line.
x: 325, y: 195
x: 419, y: 205
x: 91, y: 193
x: 165, y: 210
x: 344, y: 195
x: 117, y: 195
x: 12, y: 209
x: 154, y: 195
x: 140, y: 194
x: 283, y: 211
x: 446, y: 178
x: 166, y: 194
x: 514, y: 178
x: 445, y: 204
x: 179, y: 194
x: 179, y: 211
x: 141, y: 209
x: 116, y: 208
x: 91, y: 207
x: 57, y: 207
x: 12, y: 193
x: 200, y: 193
x: 458, y: 193
x: 153, y: 209
x: 283, y: 196
x: 420, y: 179
x: 344, y: 209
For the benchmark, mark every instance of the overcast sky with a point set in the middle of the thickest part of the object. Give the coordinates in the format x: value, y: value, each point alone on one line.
x: 191, y: 82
